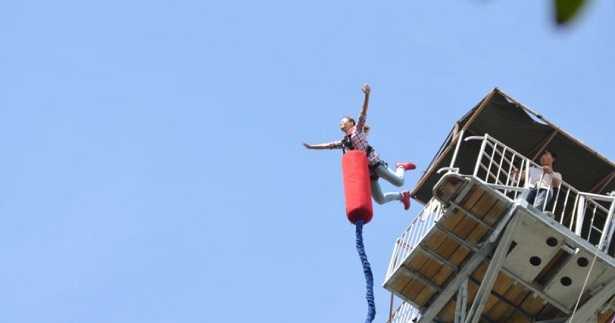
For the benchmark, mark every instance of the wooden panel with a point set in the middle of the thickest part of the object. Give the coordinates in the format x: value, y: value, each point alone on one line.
x: 605, y: 317
x: 430, y: 268
x: 417, y: 261
x: 446, y: 248
x: 413, y: 287
x: 397, y: 283
x: 448, y: 312
x: 549, y: 312
x: 425, y: 295
x: 451, y: 220
x: 483, y: 205
x: 472, y: 197
x: 412, y: 290
x: 500, y: 287
x: 442, y: 276
x: 464, y: 227
x: 500, y: 311
x: 491, y: 302
x: 533, y: 305
x: 496, y: 213
x: 516, y: 294
x: 459, y: 256
x: 434, y: 239
x: 477, y: 234
x: 517, y: 318
x: 480, y: 271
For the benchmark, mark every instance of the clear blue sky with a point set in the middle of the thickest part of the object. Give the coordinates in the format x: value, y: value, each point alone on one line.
x: 152, y: 164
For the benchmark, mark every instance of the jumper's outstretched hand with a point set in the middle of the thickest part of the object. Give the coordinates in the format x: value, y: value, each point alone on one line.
x: 366, y: 89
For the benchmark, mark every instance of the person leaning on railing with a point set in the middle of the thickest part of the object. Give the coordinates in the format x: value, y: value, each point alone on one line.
x: 542, y: 181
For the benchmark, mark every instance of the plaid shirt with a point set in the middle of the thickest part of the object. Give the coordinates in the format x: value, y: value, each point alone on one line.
x: 359, y: 142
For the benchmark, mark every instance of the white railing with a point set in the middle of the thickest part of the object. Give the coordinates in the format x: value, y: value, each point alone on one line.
x: 414, y: 234
x: 405, y: 313
x: 590, y: 216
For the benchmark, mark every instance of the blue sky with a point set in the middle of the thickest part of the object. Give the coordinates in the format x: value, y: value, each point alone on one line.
x: 153, y: 168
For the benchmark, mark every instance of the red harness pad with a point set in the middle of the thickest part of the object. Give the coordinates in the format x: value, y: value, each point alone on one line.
x: 357, y: 186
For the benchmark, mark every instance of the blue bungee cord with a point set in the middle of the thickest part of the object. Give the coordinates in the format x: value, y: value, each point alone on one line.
x: 367, y: 271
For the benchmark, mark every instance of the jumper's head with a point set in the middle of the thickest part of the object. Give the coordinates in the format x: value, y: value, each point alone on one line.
x: 548, y: 158
x: 346, y: 124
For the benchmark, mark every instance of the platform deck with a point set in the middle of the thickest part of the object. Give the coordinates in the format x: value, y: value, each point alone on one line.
x: 540, y: 278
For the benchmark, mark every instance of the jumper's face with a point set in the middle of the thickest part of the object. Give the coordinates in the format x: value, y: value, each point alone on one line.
x: 546, y: 159
x: 346, y: 124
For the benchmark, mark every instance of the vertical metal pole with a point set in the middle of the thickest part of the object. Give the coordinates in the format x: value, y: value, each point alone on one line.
x: 461, y: 305
x: 509, y: 181
x: 608, y: 227
x: 497, y: 176
x: 480, y: 155
x: 459, y: 139
x: 559, y: 190
x: 565, y: 206
x: 573, y: 219
x: 527, y: 173
x: 580, y: 215
x: 391, y: 309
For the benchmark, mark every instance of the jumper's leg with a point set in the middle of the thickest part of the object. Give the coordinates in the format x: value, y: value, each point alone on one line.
x: 382, y: 198
x: 394, y: 177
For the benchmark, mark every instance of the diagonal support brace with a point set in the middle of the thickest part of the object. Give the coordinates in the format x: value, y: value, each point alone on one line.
x: 497, y: 261
x: 468, y: 268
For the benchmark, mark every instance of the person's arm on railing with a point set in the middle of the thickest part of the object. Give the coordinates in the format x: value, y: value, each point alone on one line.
x: 556, y: 177
x: 363, y: 114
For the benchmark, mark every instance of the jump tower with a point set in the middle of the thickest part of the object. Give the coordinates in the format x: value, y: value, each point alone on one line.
x: 478, y: 252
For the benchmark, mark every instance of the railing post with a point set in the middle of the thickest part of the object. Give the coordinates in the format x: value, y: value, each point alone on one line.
x: 459, y: 139
x: 580, y: 214
x: 607, y: 235
x: 526, y: 183
x: 480, y: 154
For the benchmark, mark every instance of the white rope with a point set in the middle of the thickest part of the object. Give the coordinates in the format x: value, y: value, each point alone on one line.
x: 576, y: 306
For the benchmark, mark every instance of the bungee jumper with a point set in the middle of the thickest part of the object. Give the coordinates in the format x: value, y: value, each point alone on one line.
x: 361, y: 168
x: 355, y: 138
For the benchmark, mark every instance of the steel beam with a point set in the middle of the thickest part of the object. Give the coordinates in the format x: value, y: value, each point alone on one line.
x: 477, y: 258
x: 442, y: 299
x: 461, y: 303
x: 531, y: 287
x: 593, y: 304
x: 492, y: 273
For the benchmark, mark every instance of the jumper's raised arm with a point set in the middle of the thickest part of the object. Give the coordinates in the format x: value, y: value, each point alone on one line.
x: 363, y: 114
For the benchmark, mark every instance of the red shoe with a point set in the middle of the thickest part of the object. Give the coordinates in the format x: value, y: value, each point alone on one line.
x: 405, y: 200
x: 406, y: 166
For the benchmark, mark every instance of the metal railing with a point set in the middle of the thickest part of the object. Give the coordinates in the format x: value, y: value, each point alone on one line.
x: 588, y: 215
x: 405, y: 313
x: 414, y: 234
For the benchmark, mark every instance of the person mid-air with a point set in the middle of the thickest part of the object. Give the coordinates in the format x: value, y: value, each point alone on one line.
x: 355, y: 138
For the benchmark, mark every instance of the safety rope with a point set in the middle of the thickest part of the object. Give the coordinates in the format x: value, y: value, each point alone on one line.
x: 367, y: 271
x: 576, y: 306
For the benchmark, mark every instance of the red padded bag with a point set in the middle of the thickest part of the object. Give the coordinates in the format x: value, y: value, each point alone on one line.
x: 357, y: 186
